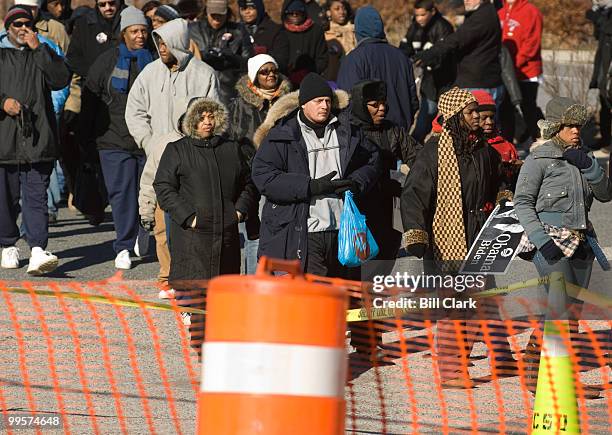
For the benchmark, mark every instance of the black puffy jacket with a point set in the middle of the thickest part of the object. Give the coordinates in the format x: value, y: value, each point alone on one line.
x: 29, y: 76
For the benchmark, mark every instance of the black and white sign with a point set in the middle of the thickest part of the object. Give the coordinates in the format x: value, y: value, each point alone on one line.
x: 496, y: 244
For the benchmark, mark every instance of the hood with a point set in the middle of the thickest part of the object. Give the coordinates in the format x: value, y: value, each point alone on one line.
x: 261, y: 10
x: 196, y: 107
x: 65, y: 14
x: 288, y: 104
x: 363, y: 92
x: 369, y: 24
x: 286, y: 3
x: 175, y: 34
x: 250, y: 97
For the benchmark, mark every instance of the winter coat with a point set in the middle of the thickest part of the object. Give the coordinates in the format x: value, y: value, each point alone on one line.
x: 522, y: 25
x: 440, y: 77
x: 270, y: 38
x: 54, y: 30
x: 59, y: 97
x: 147, y: 200
x: 602, y: 68
x: 376, y: 59
x: 29, y: 76
x: 247, y: 112
x: 475, y: 46
x: 103, y: 107
x: 92, y: 35
x: 281, y: 173
x: 480, y: 181
x: 394, y: 144
x: 307, y: 49
x: 226, y: 50
x: 159, y: 96
x: 553, y: 191
x: 206, y: 179
x: 340, y: 42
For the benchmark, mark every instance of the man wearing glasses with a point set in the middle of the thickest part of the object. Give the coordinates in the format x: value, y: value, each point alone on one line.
x: 94, y: 33
x: 28, y: 131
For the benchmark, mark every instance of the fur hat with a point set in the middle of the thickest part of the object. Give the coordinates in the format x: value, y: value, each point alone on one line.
x: 562, y: 111
x: 192, y: 116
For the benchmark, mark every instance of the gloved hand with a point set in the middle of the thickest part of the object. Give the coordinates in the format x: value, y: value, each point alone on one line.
x: 416, y: 250
x: 322, y: 185
x: 578, y: 157
x: 344, y: 185
x: 147, y: 224
x: 551, y: 252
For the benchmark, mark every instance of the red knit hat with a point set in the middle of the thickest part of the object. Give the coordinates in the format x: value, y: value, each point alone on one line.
x: 485, y: 100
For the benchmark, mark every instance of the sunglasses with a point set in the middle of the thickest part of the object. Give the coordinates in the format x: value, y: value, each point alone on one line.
x: 267, y: 72
x: 20, y: 24
x: 105, y: 4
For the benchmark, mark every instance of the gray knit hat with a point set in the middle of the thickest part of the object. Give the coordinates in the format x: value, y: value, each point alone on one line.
x: 132, y: 16
x: 561, y: 111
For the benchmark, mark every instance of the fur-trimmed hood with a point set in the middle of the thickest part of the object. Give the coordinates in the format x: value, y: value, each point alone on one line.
x: 285, y: 106
x: 250, y: 97
x: 196, y: 107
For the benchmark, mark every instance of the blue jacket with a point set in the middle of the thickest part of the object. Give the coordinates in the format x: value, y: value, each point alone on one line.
x: 59, y: 97
x: 553, y: 191
x: 376, y: 59
x: 281, y: 173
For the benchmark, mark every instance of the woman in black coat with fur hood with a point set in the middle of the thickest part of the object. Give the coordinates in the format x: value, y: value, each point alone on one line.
x: 203, y: 182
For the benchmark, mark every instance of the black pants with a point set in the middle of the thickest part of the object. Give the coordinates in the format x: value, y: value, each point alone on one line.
x: 31, y: 181
x: 515, y: 126
x: 322, y: 257
x: 605, y: 122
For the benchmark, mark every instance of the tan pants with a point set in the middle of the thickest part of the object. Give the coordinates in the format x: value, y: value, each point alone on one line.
x: 161, y: 245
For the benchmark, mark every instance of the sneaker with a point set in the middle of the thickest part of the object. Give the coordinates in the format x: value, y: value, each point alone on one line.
x: 141, y: 248
x: 123, y: 260
x: 186, y: 318
x: 41, y: 262
x: 166, y: 294
x: 10, y: 258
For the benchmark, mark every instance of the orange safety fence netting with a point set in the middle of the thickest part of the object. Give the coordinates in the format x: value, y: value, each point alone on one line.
x: 129, y: 366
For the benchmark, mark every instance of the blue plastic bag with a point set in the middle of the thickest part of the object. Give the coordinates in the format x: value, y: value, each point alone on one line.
x: 356, y: 245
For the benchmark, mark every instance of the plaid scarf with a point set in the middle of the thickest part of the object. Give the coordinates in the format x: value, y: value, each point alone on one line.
x: 449, y: 240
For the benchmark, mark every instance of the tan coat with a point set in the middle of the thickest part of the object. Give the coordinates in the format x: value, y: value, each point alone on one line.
x: 343, y: 35
x: 55, y: 31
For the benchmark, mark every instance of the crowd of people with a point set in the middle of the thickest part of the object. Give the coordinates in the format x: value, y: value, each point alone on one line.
x: 207, y: 127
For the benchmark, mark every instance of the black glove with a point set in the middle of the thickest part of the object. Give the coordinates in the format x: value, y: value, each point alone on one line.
x: 147, y: 224
x: 70, y: 119
x: 416, y: 250
x: 578, y: 157
x: 551, y: 252
x: 344, y: 185
x: 322, y: 185
x: 25, y: 121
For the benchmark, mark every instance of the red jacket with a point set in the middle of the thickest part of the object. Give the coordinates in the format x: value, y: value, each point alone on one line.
x: 522, y: 35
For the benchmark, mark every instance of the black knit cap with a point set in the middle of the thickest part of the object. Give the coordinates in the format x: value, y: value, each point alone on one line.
x: 313, y: 86
x: 16, y: 12
x: 167, y: 13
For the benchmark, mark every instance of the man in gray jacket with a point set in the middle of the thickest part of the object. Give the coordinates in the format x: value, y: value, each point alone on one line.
x: 158, y: 98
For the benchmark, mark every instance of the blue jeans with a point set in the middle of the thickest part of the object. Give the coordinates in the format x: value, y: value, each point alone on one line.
x: 427, y: 112
x: 250, y: 251
x: 121, y: 171
x: 575, y: 271
x: 56, y: 187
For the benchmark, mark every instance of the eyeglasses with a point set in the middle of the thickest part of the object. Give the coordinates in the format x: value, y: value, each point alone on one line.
x: 20, y: 24
x: 105, y: 4
x: 267, y: 72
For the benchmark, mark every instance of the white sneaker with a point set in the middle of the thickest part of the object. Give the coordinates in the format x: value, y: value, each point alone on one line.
x: 10, y: 258
x: 186, y: 318
x: 41, y: 262
x: 123, y: 260
x: 141, y: 248
x: 166, y: 294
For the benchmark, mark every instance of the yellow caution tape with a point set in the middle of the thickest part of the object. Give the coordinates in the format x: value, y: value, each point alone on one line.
x: 106, y: 300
